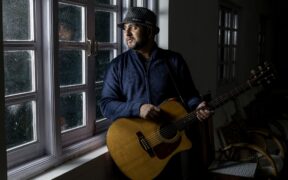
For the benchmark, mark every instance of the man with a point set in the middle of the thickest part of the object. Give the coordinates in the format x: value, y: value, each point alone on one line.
x: 143, y: 77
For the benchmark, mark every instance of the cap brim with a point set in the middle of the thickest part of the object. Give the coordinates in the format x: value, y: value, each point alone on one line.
x: 121, y: 25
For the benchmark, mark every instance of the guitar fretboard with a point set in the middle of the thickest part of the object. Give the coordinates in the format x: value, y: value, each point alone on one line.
x: 215, y: 103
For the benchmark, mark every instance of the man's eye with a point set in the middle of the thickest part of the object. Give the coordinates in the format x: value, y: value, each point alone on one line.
x: 131, y: 27
x: 134, y: 27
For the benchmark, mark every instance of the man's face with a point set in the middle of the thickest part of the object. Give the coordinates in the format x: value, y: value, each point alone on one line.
x: 135, y: 36
x: 65, y: 33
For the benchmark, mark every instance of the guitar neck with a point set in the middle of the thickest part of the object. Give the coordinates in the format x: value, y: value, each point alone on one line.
x: 214, y: 104
x: 220, y: 100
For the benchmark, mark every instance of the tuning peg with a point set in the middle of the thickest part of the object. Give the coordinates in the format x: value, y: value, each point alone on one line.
x: 253, y: 72
x: 260, y: 68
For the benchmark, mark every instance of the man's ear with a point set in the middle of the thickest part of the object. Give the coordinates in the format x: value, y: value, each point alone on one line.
x: 151, y: 32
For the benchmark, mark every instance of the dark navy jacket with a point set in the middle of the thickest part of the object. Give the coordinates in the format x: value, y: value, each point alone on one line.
x: 129, y: 83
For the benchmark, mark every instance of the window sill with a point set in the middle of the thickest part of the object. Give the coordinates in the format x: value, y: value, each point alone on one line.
x: 82, y: 152
x: 72, y: 164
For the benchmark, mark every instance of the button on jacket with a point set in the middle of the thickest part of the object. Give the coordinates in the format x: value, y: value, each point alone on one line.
x: 131, y: 81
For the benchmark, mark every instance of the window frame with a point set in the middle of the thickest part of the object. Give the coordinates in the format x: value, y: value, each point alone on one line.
x: 34, y: 149
x: 229, y: 72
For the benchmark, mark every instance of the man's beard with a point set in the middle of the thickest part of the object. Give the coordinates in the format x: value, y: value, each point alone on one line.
x: 137, y: 45
x: 140, y: 43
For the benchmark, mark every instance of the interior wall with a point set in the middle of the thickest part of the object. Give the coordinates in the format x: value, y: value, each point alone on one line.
x: 193, y: 26
x: 193, y: 33
x: 281, y: 29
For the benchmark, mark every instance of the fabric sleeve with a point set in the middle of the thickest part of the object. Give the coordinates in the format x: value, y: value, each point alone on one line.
x: 112, y: 103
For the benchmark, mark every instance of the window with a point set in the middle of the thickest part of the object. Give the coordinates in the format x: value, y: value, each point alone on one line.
x: 228, y: 32
x: 73, y: 57
x: 54, y: 67
x: 22, y: 81
x: 106, y: 48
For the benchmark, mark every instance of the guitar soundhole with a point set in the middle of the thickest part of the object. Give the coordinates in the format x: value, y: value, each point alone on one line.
x: 168, y: 131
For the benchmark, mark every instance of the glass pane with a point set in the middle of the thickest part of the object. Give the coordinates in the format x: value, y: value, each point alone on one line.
x: 220, y: 36
x: 233, y: 71
x: 71, y: 64
x: 226, y: 54
x: 98, y: 91
x: 220, y: 54
x: 18, y: 71
x: 233, y: 55
x: 19, y: 124
x: 220, y: 17
x: 235, y: 22
x: 105, y: 26
x: 70, y: 22
x: 227, y: 19
x: 227, y: 37
x: 234, y: 37
x: 112, y: 2
x: 17, y: 14
x: 71, y: 109
x: 102, y: 61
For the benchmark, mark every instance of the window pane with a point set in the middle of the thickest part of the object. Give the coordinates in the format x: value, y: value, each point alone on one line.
x: 235, y: 22
x: 226, y: 54
x: 104, y: 26
x: 98, y: 90
x: 220, y: 17
x: 233, y: 59
x: 71, y: 108
x: 234, y: 37
x: 18, y: 71
x: 105, y: 1
x: 227, y: 37
x: 227, y: 19
x: 102, y: 61
x: 19, y: 124
x: 70, y: 23
x: 71, y: 63
x: 220, y: 36
x: 17, y: 14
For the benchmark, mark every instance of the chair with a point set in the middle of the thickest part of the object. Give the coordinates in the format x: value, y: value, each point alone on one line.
x: 251, y: 153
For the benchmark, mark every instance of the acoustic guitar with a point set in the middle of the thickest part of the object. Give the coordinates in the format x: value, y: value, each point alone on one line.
x: 141, y: 148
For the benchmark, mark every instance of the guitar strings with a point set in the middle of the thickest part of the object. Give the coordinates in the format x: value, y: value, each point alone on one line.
x: 153, y: 138
x: 180, y: 124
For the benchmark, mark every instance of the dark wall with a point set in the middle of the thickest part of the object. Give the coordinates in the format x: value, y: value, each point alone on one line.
x: 3, y: 169
x: 281, y: 40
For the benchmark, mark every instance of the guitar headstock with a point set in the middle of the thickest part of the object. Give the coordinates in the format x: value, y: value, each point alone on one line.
x: 264, y: 75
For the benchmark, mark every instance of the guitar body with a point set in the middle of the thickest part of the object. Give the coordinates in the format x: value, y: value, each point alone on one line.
x: 142, y: 148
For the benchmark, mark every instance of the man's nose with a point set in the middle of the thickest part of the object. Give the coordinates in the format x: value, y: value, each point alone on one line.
x: 127, y: 31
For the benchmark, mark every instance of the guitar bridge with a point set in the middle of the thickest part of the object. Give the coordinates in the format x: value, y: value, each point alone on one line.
x: 144, y: 143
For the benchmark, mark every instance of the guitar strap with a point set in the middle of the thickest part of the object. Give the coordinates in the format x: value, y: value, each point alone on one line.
x: 168, y: 66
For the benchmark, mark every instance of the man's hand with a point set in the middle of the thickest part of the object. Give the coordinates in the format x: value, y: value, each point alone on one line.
x: 149, y: 111
x: 203, y: 112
